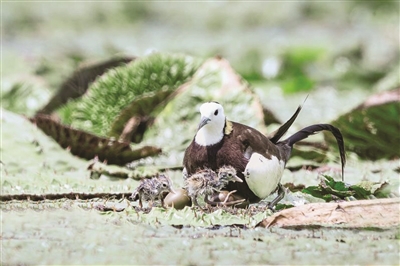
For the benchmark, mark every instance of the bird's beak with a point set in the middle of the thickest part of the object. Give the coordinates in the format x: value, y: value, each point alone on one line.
x: 237, y: 179
x: 203, y: 121
x: 172, y: 190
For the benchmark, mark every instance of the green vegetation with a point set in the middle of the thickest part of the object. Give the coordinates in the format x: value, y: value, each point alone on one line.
x: 115, y: 90
x: 329, y: 190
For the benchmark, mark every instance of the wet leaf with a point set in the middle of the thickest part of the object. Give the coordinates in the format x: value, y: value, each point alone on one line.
x: 360, y: 192
x: 372, y: 129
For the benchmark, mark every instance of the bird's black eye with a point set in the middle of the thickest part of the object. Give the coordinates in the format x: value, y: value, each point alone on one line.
x: 216, y: 112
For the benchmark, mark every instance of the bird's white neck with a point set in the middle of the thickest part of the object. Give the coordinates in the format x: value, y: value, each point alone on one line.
x: 207, y: 136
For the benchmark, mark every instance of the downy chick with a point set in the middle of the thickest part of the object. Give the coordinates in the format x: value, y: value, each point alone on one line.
x: 152, y: 189
x: 206, y: 182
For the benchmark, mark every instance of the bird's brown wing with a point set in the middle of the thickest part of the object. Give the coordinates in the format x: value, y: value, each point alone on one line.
x: 252, y: 140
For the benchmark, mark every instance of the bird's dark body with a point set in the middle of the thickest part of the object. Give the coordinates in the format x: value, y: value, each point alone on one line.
x: 231, y: 150
x: 237, y: 145
x: 241, y: 147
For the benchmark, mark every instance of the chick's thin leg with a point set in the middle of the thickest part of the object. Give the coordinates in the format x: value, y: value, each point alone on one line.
x: 140, y: 201
x: 226, y: 201
x: 233, y: 202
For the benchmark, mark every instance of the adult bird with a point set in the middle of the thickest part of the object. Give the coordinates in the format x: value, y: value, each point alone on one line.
x: 258, y: 160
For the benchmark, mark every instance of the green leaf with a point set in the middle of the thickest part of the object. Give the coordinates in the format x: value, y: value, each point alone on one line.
x: 360, y: 192
x: 281, y: 206
x: 329, y: 189
x: 315, y: 191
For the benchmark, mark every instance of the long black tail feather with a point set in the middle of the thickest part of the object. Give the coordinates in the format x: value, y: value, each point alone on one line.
x: 313, y: 129
x: 277, y: 135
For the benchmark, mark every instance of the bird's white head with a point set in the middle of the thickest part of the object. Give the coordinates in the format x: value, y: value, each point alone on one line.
x: 211, y: 126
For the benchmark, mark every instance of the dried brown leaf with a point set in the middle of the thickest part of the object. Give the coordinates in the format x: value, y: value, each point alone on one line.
x: 88, y: 146
x: 354, y: 214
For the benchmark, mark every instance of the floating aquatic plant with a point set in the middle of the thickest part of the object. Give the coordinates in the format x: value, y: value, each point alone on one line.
x: 116, y: 89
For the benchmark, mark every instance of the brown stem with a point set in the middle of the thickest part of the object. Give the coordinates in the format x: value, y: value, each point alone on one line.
x: 57, y: 196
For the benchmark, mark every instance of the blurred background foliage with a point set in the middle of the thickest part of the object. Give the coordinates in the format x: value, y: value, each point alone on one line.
x: 331, y: 50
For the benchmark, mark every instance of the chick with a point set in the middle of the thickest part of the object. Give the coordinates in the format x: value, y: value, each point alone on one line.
x: 206, y: 182
x: 227, y: 174
x: 199, y: 184
x: 152, y: 189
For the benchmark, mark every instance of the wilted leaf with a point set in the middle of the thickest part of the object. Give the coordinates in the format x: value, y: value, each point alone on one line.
x: 294, y: 188
x: 88, y: 146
